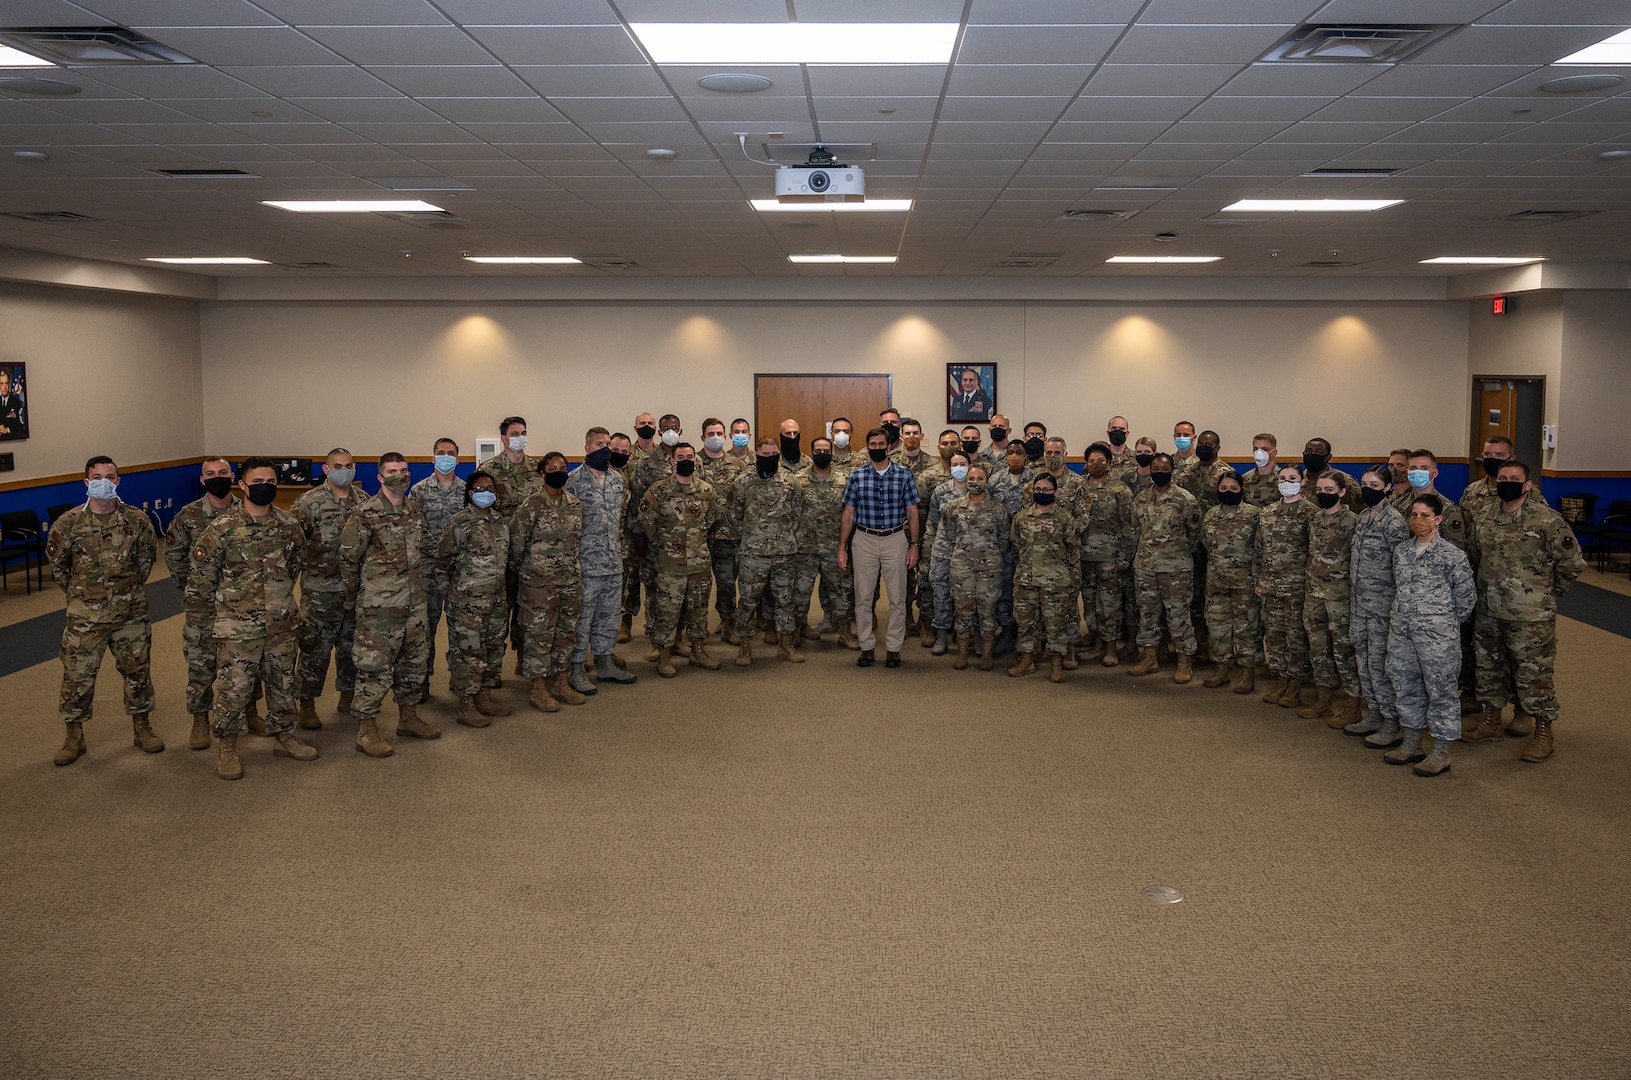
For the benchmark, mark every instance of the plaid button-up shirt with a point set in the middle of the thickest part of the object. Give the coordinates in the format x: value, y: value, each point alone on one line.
x: 880, y: 499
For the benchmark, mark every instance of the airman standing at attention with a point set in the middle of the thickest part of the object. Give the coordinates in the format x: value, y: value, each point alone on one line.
x: 438, y: 496
x: 1229, y: 533
x: 821, y: 510
x: 1398, y: 464
x: 1007, y: 486
x: 944, y: 494
x: 1116, y: 434
x: 677, y: 514
x: 1108, y: 544
x: 1202, y: 476
x: 1328, y: 607
x: 1317, y: 465
x: 844, y: 456
x: 620, y: 460
x: 1144, y: 451
x: 995, y: 455
x: 328, y: 613
x: 742, y: 442
x: 1183, y: 456
x: 1281, y: 577
x: 654, y: 466
x: 765, y: 511
x: 1036, y: 445
x: 380, y: 549
x: 793, y: 457
x: 1481, y: 494
x: 472, y: 555
x: 244, y: 566
x: 720, y: 468
x: 515, y: 477
x: 198, y: 628
x: 1378, y: 533
x: 974, y: 531
x: 645, y: 429
x: 1262, y: 484
x: 1048, y: 538
x: 1453, y: 526
x: 1169, y: 530
x: 600, y: 493
x: 545, y: 540
x: 100, y: 555
x: 919, y: 591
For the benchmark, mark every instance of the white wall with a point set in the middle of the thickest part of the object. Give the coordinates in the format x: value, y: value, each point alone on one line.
x: 1527, y: 341
x: 1596, y: 351
x: 299, y: 377
x: 107, y: 373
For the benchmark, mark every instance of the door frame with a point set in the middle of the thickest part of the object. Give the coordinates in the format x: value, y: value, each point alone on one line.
x: 888, y: 377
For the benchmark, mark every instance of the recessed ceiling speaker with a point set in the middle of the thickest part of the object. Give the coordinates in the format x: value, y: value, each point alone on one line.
x: 734, y: 82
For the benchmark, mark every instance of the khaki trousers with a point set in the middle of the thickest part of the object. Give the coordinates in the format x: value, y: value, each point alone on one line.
x: 873, y: 558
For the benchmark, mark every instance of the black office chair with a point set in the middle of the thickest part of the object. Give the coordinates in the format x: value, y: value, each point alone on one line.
x: 1580, y: 511
x: 21, y: 540
x: 1614, y: 531
x: 56, y: 510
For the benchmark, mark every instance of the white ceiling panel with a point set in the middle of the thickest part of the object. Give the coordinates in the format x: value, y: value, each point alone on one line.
x: 559, y: 44
x: 377, y: 110
x: 339, y: 80
x: 912, y: 80
x: 871, y: 11
x: 997, y: 80
x: 1131, y: 108
x: 253, y: 46
x: 526, y: 12
x: 1201, y: 12
x: 1001, y: 108
x: 244, y: 110
x: 1103, y: 131
x: 1195, y: 44
x: 1401, y: 109
x: 461, y: 110
x: 141, y: 13
x: 1462, y: 80
x: 1512, y: 44
x: 373, y: 46
x: 754, y: 111
x: 354, y: 12
x: 1037, y: 44
x: 1281, y: 109
x: 610, y: 80
x: 1158, y: 79
x: 1386, y: 11
x: 868, y: 108
x: 592, y: 109
x: 469, y: 81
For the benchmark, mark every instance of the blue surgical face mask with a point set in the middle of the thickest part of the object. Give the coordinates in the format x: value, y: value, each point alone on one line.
x: 1419, y: 479
x: 340, y: 477
x: 959, y: 473
x: 445, y: 463
x: 740, y: 440
x: 102, y: 488
x: 484, y: 499
x: 1182, y: 442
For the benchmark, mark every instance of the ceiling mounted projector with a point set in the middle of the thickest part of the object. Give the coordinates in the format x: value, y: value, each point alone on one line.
x: 820, y: 179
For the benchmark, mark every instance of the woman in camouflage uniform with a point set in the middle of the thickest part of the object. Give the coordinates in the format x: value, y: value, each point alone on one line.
x: 1049, y: 545
x: 471, y: 556
x: 974, y: 530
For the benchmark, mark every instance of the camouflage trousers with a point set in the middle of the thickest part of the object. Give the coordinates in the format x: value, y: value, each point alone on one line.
x: 837, y: 588
x: 1330, y: 644
x: 391, y: 652
x: 1129, y: 602
x: 597, y: 616
x: 723, y: 555
x: 975, y: 595
x: 242, y: 667
x: 475, y: 643
x: 327, y: 625
x: 1285, y: 642
x: 84, y: 642
x: 1197, y: 605
x: 1424, y: 664
x: 1369, y: 633
x: 631, y: 584
x: 198, y: 649
x: 760, y: 576
x: 1046, y: 616
x: 549, y: 610
x: 1005, y: 601
x: 680, y: 600
x: 1165, y: 592
x: 1231, y: 626
x: 1520, y: 653
x: 940, y: 582
x: 1101, y: 598
x: 434, y: 602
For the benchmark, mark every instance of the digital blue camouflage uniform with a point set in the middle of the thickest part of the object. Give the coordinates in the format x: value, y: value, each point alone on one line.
x: 676, y: 519
x: 1433, y: 594
x: 1379, y: 531
x: 604, y: 501
x: 1169, y: 527
x: 1048, y: 541
x: 546, y: 535
x: 976, y: 539
x: 472, y: 560
x: 1281, y: 575
x: 1327, y: 608
x: 380, y: 551
x: 766, y: 515
x: 437, y: 503
x: 1229, y: 534
x: 198, y: 625
x: 328, y: 620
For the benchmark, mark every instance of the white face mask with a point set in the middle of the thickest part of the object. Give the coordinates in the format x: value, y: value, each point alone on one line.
x: 517, y: 443
x: 841, y: 439
x: 1261, y: 457
x: 1288, y: 488
x: 714, y: 443
x: 670, y: 437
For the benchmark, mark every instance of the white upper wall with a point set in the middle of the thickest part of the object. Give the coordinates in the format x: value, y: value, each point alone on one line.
x: 1592, y: 412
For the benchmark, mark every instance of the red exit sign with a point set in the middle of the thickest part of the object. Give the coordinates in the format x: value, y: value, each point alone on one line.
x: 1497, y: 305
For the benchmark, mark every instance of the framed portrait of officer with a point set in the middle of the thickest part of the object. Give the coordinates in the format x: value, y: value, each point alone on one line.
x: 13, y: 402
x: 971, y: 393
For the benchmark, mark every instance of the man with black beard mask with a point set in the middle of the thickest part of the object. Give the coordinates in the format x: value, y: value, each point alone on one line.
x: 793, y: 458
x: 1118, y: 435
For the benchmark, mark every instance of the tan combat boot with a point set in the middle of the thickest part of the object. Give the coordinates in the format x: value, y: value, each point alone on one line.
x: 785, y: 649
x: 960, y: 661
x: 143, y: 736
x: 1068, y: 658
x: 727, y: 634
x: 344, y: 706
x: 1437, y: 763
x: 469, y: 715
x: 1219, y: 676
x: 1540, y: 743
x: 1112, y: 655
x: 561, y: 690
x: 625, y: 630
x: 988, y: 645
x: 1246, y: 680
x: 651, y: 650
x: 253, y: 722
x: 847, y: 638
x: 73, y: 744
x: 1056, y: 667
x: 1409, y: 751
x: 289, y: 745
x: 487, y: 706
x: 309, y: 720
x: 701, y: 658
x: 1521, y: 726
x: 806, y: 632
x: 1147, y: 663
x: 1353, y: 710
x: 1023, y: 665
x: 200, y: 738
x: 408, y: 723
x: 1320, y: 706
x: 540, y: 698
x: 369, y: 741
x: 1276, y: 691
x: 1293, y: 694
x: 1186, y: 668
x: 1486, y: 727
x: 227, y: 765
x: 665, y: 662
x: 744, y: 653
x: 1092, y: 650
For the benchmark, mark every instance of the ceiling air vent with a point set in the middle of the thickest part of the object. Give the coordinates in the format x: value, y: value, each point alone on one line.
x: 1028, y: 260
x: 1328, y: 264
x: 1096, y: 215
x: 310, y: 266
x: 609, y: 262
x: 1355, y: 43
x: 434, y: 219
x: 1354, y: 174
x: 1546, y: 217
x: 76, y: 45
x: 207, y: 174
x: 52, y: 217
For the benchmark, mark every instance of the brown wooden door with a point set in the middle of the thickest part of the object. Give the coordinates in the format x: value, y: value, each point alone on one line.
x: 1510, y: 407
x: 813, y: 400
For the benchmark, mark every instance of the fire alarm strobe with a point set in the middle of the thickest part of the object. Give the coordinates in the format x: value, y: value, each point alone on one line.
x: 820, y: 178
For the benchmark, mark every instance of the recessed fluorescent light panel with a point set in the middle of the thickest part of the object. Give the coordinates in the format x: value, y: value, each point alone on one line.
x: 841, y: 258
x: 1163, y: 258
x: 524, y: 260
x: 1310, y: 205
x: 797, y: 43
x: 10, y: 57
x: 229, y: 260
x: 1482, y: 260
x: 771, y: 206
x: 1610, y: 50
x: 358, y: 206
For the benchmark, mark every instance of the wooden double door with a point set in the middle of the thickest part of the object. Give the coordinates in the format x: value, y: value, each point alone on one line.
x: 814, y: 400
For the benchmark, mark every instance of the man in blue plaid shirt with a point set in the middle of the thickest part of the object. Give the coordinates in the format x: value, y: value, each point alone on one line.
x: 881, y: 513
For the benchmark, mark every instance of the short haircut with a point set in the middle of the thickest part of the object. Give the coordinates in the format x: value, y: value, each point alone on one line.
x: 877, y: 433
x: 1323, y: 442
x: 765, y: 440
x: 505, y: 424
x: 596, y: 430
x: 1405, y: 450
x: 1055, y: 439
x: 1212, y: 433
x: 666, y: 417
x: 389, y: 456
x: 445, y: 439
x: 1514, y: 464
x: 1015, y: 447
x: 1428, y: 454
x: 843, y: 420
x: 1225, y: 477
x: 1046, y: 478
x: 470, y: 482
x: 819, y: 438
x: 257, y: 462
x: 710, y: 422
x: 1039, y: 425
x: 1162, y: 457
x: 1099, y: 448
x: 982, y: 466
x: 550, y: 459
x: 885, y: 412
x: 684, y: 446
x: 1431, y: 501
x: 908, y: 420
x: 970, y: 427
x: 740, y: 420
x: 1501, y: 440
x: 336, y: 450
x: 214, y: 457
x: 950, y: 431
x: 1267, y: 437
x: 1190, y: 424
x: 620, y: 435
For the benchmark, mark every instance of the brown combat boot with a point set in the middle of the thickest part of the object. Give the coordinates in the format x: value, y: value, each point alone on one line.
x: 1276, y: 691
x: 408, y: 723
x: 1246, y: 680
x: 1219, y: 676
x: 142, y: 735
x: 701, y: 658
x: 1486, y: 727
x: 1112, y: 655
x: 927, y: 638
x: 744, y: 653
x: 560, y: 688
x: 1293, y: 694
x: 625, y: 629
x: 200, y: 738
x: 1056, y: 667
x: 73, y: 744
x: 1540, y: 743
x: 1186, y: 668
x: 1438, y: 762
x: 469, y: 715
x: 806, y: 632
x: 289, y: 745
x: 540, y: 698
x: 1319, y: 707
x: 369, y: 741
x: 988, y: 646
x: 1353, y: 710
x: 1092, y: 650
x: 1409, y: 751
x: 727, y: 634
x: 1068, y: 658
x: 1147, y: 663
x: 1521, y: 725
x: 487, y: 706
x: 309, y: 720
x: 665, y: 662
x: 344, y: 706
x: 847, y: 638
x: 786, y: 651
x: 960, y: 661
x: 253, y: 722
x: 227, y: 765
x: 1023, y: 665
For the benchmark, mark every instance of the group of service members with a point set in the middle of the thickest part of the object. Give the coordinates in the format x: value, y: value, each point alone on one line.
x: 1372, y: 602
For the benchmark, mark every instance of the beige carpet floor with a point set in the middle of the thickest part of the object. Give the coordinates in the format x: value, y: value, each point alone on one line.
x: 821, y: 871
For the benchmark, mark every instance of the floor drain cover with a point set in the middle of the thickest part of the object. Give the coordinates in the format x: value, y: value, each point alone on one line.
x: 1162, y: 894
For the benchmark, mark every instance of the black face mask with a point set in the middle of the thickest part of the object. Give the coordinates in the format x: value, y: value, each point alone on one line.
x: 892, y: 433
x: 998, y: 434
x: 684, y: 467
x: 1118, y: 437
x: 1314, y: 464
x: 221, y: 486
x: 877, y: 453
x: 822, y: 459
x: 556, y: 480
x: 1492, y: 466
x: 262, y: 494
x: 790, y: 447
x: 616, y: 460
x: 1033, y: 447
x: 1372, y: 496
x: 1230, y: 498
x: 1043, y: 498
x: 645, y: 431
x: 1509, y: 490
x: 1327, y: 499
x: 971, y: 447
x: 766, y: 464
x: 1206, y: 452
x: 1160, y: 479
x: 598, y: 459
x: 1143, y: 460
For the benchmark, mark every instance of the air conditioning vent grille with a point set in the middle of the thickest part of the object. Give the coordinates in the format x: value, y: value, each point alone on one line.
x: 1355, y: 43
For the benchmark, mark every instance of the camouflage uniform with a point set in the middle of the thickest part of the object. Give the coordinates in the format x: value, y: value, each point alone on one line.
x: 1526, y: 560
x: 1169, y: 526
x: 803, y: 464
x: 821, y: 511
x: 975, y: 537
x: 1049, y: 546
x: 437, y: 503
x: 766, y: 514
x: 1327, y: 608
x: 513, y: 482
x: 631, y: 563
x: 721, y: 473
x: 1201, y: 480
x: 472, y: 557
x: 676, y: 519
x: 600, y: 559
x: 1009, y: 490
x: 1281, y: 574
x: 995, y: 459
x: 380, y: 551
x: 928, y: 471
x: 328, y: 617
x: 656, y: 464
x: 245, y: 569
x: 1261, y: 490
x: 1229, y: 534
x: 546, y: 537
x: 198, y: 627
x: 1350, y: 487
x: 102, y: 566
x: 1479, y: 496
x: 1121, y: 461
x: 1433, y: 594
x: 1109, y: 541
x: 1379, y: 531
x: 939, y: 570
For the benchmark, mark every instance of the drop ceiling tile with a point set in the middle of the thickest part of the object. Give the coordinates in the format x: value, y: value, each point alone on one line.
x: 124, y: 111
x: 1037, y: 44
x: 610, y: 80
x: 913, y: 80
x: 1354, y: 135
x: 723, y: 132
x: 374, y: 46
x: 559, y: 44
x: 1051, y: 11
x: 252, y: 46
x: 1002, y: 80
x: 1459, y: 80
x: 956, y: 109
x: 1013, y: 131
x: 1190, y: 131
x: 1195, y: 44
x: 902, y: 109
x: 1107, y: 131
x: 466, y: 81
x: 1200, y: 12
x: 378, y: 110
x: 165, y: 82
x: 354, y: 12
x: 647, y: 110
x: 1131, y: 108
x: 390, y: 133
x: 1282, y: 109
x: 156, y: 14
x: 1501, y: 110
x: 1086, y: 152
x: 754, y: 112
x: 1324, y: 81
x: 1547, y: 12
x: 462, y: 110
x: 1400, y: 109
x: 336, y: 80
x: 1133, y: 80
